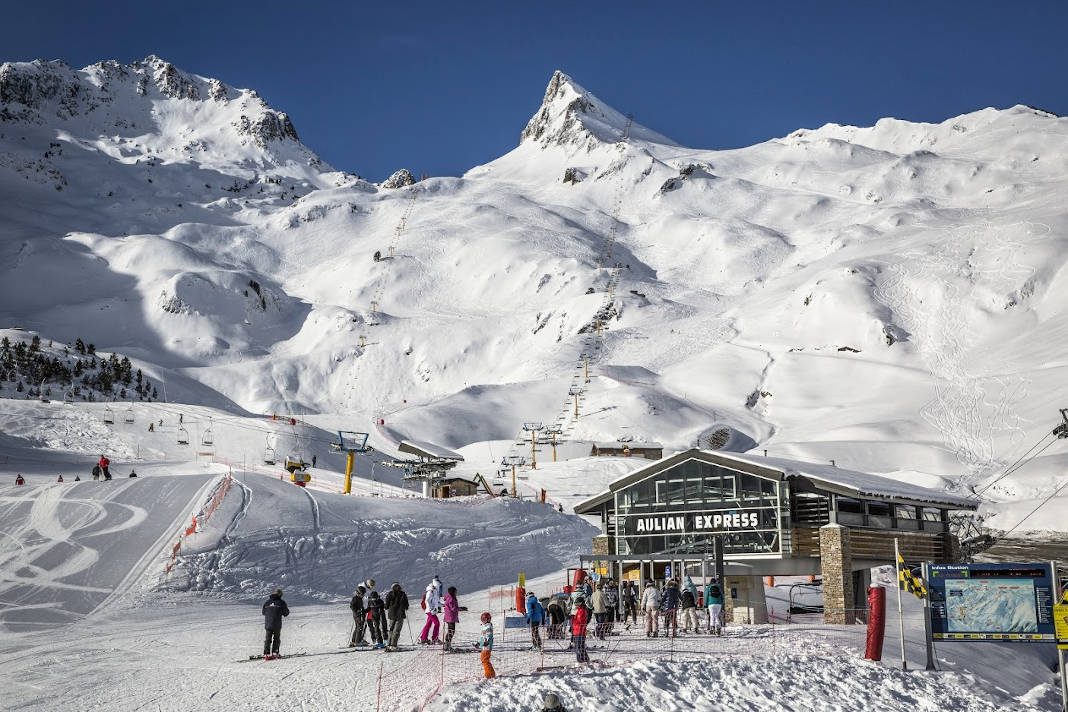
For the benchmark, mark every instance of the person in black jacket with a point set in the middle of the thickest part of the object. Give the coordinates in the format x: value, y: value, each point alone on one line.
x: 273, y: 611
x: 396, y: 604
x: 359, y: 614
x: 376, y: 618
x: 669, y: 605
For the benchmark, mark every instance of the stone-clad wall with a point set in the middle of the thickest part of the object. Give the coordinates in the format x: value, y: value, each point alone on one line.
x: 836, y: 565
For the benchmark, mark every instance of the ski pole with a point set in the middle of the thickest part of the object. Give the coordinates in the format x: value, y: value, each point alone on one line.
x: 408, y: 621
x: 353, y: 631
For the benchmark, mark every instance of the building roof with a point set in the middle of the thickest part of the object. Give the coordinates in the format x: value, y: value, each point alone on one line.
x: 616, y: 445
x: 430, y: 451
x: 825, y: 477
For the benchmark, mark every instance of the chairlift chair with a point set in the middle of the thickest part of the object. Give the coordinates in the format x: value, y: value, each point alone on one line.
x: 207, y: 438
x: 183, y: 435
x: 295, y: 462
x: 129, y: 417
x: 68, y: 397
x: 109, y: 416
x: 269, y: 455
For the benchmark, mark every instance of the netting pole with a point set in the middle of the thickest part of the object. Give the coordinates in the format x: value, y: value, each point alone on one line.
x: 378, y: 690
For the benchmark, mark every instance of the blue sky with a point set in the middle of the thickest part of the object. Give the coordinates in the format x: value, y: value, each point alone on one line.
x: 439, y: 87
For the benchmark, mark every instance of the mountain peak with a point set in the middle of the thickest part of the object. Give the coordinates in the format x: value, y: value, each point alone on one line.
x: 570, y: 115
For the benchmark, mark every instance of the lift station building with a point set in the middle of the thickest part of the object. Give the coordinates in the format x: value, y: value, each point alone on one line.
x: 770, y: 517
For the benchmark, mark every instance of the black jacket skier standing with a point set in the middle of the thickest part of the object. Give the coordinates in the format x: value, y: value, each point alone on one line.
x: 359, y: 614
x: 396, y: 604
x: 273, y: 611
x: 376, y: 618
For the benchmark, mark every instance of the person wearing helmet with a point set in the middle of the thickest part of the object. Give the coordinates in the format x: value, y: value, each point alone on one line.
x: 359, y: 617
x: 552, y: 703
x: 485, y: 643
x: 579, y: 620
x: 274, y: 610
x: 396, y: 604
x: 432, y: 605
x: 535, y: 619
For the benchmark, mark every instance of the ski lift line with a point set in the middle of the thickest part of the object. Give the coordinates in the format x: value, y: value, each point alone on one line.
x: 1040, y: 505
x: 1020, y: 462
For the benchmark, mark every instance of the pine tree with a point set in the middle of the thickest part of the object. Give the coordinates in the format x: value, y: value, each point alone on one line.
x: 79, y: 346
x: 155, y: 395
x: 20, y: 388
x: 35, y: 344
x: 91, y: 349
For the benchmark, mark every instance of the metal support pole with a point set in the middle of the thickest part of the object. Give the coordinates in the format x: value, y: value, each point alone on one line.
x: 514, y: 491
x: 350, y: 460
x: 929, y: 640
x: 1059, y: 596
x: 900, y: 618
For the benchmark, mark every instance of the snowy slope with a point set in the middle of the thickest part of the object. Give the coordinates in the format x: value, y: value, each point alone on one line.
x: 888, y: 297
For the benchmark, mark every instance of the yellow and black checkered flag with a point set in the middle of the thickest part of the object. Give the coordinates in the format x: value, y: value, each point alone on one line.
x: 907, y: 581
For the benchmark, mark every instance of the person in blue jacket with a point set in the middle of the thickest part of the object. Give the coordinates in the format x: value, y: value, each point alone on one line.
x: 669, y: 606
x: 535, y: 617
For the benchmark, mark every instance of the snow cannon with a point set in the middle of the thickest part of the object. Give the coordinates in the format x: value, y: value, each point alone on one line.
x: 300, y: 478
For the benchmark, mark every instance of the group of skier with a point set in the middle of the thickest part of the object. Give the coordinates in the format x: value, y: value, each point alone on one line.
x: 382, y: 618
x: 102, y: 468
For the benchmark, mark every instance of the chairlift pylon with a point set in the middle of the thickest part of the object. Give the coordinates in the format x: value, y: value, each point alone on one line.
x: 183, y: 435
x: 109, y: 416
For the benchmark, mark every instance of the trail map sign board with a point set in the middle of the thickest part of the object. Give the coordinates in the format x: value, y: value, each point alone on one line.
x: 1010, y: 602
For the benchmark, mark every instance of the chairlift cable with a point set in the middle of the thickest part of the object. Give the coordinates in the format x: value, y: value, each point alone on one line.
x: 1020, y: 462
x: 1040, y: 505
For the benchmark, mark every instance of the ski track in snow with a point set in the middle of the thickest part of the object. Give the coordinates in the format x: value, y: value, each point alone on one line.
x: 970, y: 409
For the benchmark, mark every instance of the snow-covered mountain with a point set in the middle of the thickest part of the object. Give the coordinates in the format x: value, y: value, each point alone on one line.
x: 890, y: 297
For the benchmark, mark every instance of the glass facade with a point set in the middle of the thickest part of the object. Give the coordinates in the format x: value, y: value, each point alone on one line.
x: 679, y: 511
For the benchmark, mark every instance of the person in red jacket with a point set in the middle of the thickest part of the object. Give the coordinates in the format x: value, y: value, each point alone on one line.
x: 105, y: 463
x: 19, y: 480
x: 579, y: 621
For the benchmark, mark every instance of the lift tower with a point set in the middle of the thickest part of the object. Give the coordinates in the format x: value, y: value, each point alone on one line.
x: 350, y: 443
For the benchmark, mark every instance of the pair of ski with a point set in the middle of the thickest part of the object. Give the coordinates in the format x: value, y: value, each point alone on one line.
x: 277, y: 657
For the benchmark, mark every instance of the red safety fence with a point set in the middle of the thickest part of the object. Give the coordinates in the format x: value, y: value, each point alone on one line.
x: 199, y: 519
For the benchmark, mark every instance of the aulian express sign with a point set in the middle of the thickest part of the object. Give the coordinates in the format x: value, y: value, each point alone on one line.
x: 692, y: 522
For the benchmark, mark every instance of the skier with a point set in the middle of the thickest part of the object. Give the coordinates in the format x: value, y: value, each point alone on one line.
x: 359, y: 617
x: 96, y: 472
x: 105, y: 463
x: 485, y: 643
x: 650, y: 606
x: 688, y: 604
x: 432, y: 606
x: 535, y: 617
x: 151, y: 427
x: 670, y: 605
x: 600, y: 611
x: 396, y: 604
x: 579, y: 622
x: 611, y: 603
x: 133, y: 473
x: 452, y: 616
x: 19, y: 480
x: 314, y: 458
x: 555, y: 615
x: 376, y: 618
x: 629, y: 597
x: 60, y: 479
x: 273, y: 611
x: 714, y: 602
x: 77, y: 478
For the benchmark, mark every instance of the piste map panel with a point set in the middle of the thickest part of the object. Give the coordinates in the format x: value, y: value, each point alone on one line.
x: 1012, y: 602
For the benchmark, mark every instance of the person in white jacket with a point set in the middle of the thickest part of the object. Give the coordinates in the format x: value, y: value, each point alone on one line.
x: 651, y: 607
x: 432, y: 604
